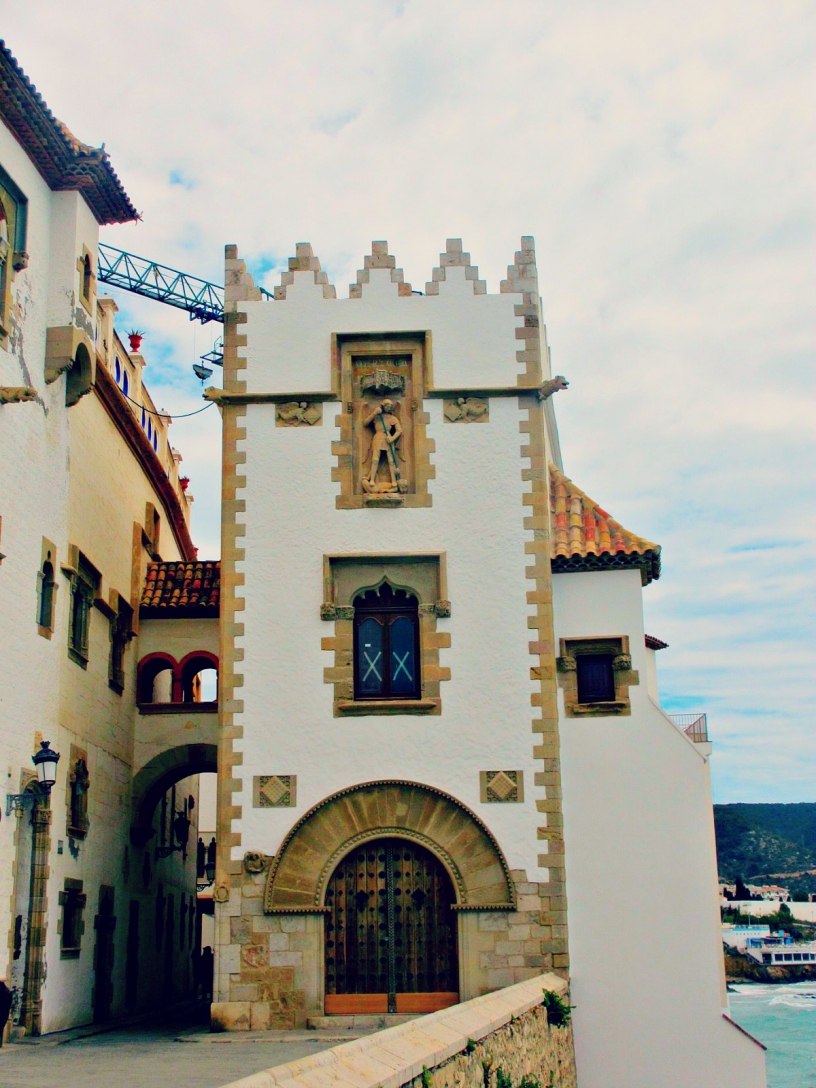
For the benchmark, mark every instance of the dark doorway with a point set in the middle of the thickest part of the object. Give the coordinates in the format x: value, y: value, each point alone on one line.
x: 132, y: 962
x: 390, y: 932
x: 104, y: 924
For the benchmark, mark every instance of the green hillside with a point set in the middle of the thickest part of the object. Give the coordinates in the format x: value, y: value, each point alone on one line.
x: 756, y: 841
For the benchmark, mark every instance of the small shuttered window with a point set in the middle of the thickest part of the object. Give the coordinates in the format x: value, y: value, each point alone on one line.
x: 596, y: 679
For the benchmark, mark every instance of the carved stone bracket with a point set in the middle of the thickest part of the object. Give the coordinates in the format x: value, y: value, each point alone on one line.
x: 621, y: 662
x: 566, y: 664
x: 443, y: 609
x: 298, y: 414
x: 382, y: 382
x: 16, y: 394
x: 553, y: 385
x: 466, y: 410
x: 255, y: 862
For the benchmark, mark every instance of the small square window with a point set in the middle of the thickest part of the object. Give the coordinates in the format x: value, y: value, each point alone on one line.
x: 596, y: 680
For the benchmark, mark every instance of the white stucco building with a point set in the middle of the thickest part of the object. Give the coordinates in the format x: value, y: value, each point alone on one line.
x: 95, y: 922
x: 443, y: 767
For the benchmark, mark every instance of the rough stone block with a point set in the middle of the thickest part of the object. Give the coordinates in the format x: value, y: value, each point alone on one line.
x: 292, y: 923
x: 230, y: 1016
x: 259, y: 1016
x: 527, y: 889
x: 266, y: 923
x: 244, y: 991
x: 493, y: 921
x: 285, y: 959
x: 239, y: 932
x: 530, y: 902
x: 229, y: 959
x: 278, y: 942
x: 518, y: 933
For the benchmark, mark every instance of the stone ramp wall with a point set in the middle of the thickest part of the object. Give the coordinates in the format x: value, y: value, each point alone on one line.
x: 460, y: 1047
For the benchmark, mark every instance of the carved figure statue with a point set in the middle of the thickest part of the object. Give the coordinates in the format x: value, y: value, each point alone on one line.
x: 384, y: 421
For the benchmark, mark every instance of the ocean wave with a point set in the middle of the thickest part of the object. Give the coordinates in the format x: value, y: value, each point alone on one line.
x: 800, y: 995
x: 802, y: 999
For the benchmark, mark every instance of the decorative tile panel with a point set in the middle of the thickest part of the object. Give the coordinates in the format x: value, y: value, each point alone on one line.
x: 274, y: 791
x: 501, y: 787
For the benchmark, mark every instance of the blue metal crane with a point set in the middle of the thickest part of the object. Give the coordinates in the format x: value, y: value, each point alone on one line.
x: 203, y: 301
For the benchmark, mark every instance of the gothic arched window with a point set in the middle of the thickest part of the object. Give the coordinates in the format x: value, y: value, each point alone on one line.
x: 386, y: 644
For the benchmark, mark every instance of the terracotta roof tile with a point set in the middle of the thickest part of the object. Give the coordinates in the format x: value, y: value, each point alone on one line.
x: 585, y: 537
x: 182, y: 589
x: 63, y: 160
x: 653, y: 643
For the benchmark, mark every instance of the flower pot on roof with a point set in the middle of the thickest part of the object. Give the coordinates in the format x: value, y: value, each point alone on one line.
x: 135, y: 336
x: 185, y: 482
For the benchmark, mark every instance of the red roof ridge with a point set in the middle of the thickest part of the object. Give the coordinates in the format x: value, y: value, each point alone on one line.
x: 63, y: 161
x: 586, y: 537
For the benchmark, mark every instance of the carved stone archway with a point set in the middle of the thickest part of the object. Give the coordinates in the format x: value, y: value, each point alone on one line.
x: 156, y: 778
x: 301, y: 870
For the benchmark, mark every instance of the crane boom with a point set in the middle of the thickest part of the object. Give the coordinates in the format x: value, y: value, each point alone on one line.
x: 202, y: 300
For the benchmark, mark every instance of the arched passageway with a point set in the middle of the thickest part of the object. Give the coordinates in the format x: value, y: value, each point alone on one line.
x: 162, y: 772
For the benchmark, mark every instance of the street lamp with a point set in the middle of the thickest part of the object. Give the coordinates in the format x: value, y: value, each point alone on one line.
x: 181, y: 833
x: 45, y: 761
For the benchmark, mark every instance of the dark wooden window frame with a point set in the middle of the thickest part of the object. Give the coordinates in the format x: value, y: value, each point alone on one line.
x: 387, y: 614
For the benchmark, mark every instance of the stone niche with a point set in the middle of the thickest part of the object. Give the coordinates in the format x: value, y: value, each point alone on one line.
x: 383, y: 455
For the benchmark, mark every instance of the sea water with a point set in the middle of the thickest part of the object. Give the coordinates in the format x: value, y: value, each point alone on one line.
x: 783, y: 1017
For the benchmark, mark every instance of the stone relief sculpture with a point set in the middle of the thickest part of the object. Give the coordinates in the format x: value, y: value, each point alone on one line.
x: 298, y: 414
x: 467, y: 410
x: 386, y: 430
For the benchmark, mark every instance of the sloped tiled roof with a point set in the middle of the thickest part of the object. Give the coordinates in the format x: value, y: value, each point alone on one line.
x: 63, y: 160
x: 181, y: 589
x: 653, y: 643
x: 586, y: 538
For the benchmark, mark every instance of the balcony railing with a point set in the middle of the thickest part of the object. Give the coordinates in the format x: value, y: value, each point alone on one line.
x: 695, y: 726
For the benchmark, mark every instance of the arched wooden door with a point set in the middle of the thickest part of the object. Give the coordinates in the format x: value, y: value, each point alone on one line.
x: 390, y: 932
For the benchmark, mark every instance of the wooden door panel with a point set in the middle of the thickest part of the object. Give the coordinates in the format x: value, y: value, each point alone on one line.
x: 390, y: 929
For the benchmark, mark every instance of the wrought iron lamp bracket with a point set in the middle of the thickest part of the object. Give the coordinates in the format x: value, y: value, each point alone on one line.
x: 19, y: 802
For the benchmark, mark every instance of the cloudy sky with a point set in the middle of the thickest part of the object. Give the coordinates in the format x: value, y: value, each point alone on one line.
x: 661, y: 154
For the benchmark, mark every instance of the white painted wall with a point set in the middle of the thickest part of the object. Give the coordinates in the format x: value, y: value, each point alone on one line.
x: 33, y: 456
x: 641, y: 866
x: 40, y: 689
x: 636, y: 791
x: 288, y: 722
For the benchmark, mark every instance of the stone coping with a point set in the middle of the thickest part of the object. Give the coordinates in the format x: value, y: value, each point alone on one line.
x: 394, y: 1056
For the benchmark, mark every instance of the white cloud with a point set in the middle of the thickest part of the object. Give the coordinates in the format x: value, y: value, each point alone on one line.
x: 663, y: 158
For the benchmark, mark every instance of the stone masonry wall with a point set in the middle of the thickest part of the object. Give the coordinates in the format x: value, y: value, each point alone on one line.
x: 461, y: 1047
x: 527, y: 1047
x: 271, y: 965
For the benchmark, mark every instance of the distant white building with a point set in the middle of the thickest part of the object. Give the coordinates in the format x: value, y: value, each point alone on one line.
x: 443, y: 767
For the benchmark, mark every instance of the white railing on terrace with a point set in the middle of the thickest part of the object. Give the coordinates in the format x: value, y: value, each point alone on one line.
x: 695, y: 726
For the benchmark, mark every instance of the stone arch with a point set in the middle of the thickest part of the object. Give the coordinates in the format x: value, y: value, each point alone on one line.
x: 157, y: 776
x: 310, y: 852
